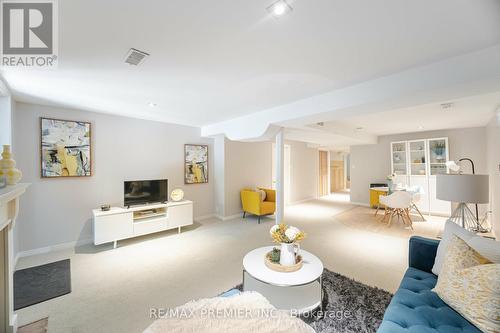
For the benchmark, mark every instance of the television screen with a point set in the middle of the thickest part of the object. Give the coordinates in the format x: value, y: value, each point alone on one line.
x: 139, y: 192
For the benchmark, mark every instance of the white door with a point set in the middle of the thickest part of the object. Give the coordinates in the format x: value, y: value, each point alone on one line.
x: 287, y: 171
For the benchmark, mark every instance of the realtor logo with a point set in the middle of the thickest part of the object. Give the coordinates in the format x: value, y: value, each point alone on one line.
x: 29, y: 35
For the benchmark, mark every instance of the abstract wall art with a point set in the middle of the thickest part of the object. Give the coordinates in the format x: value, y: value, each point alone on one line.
x: 196, y: 164
x: 65, y: 148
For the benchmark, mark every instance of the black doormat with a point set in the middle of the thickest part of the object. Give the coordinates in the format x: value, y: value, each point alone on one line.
x: 348, y: 306
x: 40, y: 283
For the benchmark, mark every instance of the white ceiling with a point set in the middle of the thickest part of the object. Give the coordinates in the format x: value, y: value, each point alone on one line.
x: 221, y: 59
x: 474, y: 111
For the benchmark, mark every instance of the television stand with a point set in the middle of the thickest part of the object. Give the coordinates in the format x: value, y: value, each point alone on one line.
x: 123, y: 223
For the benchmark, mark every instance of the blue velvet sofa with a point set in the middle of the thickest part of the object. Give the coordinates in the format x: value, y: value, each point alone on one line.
x: 414, y: 307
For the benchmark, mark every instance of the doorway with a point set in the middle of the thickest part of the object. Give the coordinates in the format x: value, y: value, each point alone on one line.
x: 324, y: 174
x: 287, y: 175
x: 337, y: 176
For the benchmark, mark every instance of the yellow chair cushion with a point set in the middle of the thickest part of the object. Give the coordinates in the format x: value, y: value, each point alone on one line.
x: 470, y: 284
x: 267, y: 208
x: 252, y: 203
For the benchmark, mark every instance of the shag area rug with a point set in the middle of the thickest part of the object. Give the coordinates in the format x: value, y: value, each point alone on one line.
x: 348, y: 306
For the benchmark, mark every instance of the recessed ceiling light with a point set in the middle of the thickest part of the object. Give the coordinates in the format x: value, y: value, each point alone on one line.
x: 152, y: 105
x: 420, y: 127
x: 279, y: 8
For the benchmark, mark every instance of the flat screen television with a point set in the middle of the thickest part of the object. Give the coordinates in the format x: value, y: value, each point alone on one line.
x: 141, y: 192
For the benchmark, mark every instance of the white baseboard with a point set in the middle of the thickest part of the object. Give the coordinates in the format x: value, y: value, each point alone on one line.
x: 52, y: 248
x: 364, y: 204
x: 302, y: 200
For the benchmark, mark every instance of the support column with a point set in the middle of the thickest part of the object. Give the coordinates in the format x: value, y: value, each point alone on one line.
x: 280, y: 176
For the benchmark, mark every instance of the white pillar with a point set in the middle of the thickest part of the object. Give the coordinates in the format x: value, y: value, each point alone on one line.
x: 280, y: 176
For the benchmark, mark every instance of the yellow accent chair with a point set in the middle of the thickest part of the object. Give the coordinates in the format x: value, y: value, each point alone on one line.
x: 252, y: 203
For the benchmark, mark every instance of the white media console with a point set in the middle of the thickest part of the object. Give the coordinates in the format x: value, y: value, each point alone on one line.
x: 122, y: 223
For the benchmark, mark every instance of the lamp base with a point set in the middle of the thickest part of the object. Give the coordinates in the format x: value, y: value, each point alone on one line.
x: 463, y: 216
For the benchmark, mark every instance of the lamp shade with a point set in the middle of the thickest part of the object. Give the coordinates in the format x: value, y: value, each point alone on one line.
x: 463, y: 188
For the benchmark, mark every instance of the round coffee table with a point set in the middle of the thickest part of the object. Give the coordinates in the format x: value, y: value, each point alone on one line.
x: 300, y: 291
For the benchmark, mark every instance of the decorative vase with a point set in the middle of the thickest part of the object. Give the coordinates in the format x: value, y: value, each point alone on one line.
x: 288, y: 253
x: 390, y: 185
x: 8, y: 167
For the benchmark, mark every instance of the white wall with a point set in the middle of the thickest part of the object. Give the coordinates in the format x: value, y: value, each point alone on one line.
x: 304, y: 173
x: 55, y: 211
x: 5, y: 120
x: 219, y: 172
x: 493, y: 152
x: 372, y: 163
x: 249, y: 164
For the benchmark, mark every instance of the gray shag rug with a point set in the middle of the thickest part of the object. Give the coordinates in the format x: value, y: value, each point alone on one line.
x: 348, y: 306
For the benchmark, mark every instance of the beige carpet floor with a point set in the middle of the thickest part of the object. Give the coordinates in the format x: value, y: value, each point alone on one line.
x: 39, y: 326
x: 113, y: 290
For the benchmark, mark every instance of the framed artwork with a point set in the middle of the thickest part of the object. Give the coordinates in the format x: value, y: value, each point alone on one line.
x: 195, y: 164
x: 65, y: 148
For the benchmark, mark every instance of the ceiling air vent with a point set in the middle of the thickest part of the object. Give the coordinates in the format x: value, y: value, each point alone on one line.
x: 447, y: 106
x: 135, y: 57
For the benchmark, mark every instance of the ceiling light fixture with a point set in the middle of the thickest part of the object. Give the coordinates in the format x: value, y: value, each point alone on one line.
x: 359, y: 128
x: 152, y: 105
x: 420, y: 127
x: 279, y: 8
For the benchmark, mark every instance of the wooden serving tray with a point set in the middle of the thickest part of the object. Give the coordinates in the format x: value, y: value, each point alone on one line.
x: 283, y: 269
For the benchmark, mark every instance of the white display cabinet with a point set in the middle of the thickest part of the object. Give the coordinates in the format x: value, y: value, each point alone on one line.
x: 416, y: 163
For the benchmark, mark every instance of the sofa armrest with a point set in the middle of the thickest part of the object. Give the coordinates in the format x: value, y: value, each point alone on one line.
x: 422, y: 253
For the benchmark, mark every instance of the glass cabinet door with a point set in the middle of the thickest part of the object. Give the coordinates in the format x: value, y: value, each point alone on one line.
x: 399, y: 158
x: 418, y: 158
x: 438, y: 156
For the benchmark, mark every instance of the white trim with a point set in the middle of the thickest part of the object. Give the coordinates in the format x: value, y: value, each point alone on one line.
x: 314, y: 197
x: 364, y: 204
x: 53, y: 248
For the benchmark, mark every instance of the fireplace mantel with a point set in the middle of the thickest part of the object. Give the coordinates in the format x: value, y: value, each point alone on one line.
x: 9, y: 209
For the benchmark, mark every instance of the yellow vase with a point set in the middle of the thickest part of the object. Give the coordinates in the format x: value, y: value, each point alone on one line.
x: 8, y: 167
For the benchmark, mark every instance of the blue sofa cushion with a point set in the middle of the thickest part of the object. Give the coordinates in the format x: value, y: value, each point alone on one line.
x: 416, y: 309
x: 422, y: 253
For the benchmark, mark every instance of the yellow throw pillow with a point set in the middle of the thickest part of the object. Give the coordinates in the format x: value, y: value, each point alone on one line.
x: 470, y: 284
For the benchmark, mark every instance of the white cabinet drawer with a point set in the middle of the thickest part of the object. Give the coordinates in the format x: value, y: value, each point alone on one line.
x: 149, y: 227
x: 112, y: 227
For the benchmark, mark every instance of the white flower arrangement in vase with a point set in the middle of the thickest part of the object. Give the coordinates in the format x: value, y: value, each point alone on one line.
x: 289, y: 238
x: 392, y: 176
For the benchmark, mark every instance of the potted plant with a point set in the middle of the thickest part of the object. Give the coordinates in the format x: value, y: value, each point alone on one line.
x: 289, y: 238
